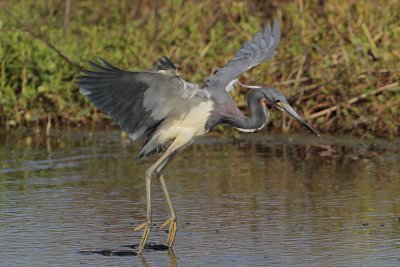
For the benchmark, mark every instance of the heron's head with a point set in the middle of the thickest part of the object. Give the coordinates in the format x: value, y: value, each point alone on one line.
x: 278, y: 100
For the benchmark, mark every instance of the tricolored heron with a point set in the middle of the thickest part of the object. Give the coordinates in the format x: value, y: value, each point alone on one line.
x: 169, y: 112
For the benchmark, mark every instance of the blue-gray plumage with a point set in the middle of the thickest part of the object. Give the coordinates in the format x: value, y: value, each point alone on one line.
x: 169, y: 112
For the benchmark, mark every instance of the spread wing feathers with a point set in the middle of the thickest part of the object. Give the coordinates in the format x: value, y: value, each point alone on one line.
x: 259, y: 49
x: 164, y: 64
x: 137, y: 100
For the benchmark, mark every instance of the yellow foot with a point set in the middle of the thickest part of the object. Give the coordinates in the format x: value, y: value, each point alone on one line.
x: 146, y: 233
x: 173, y: 228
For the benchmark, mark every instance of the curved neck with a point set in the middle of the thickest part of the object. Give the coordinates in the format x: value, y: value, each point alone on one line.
x: 259, y: 115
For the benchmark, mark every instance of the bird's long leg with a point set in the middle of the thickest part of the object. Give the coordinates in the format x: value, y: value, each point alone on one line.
x: 147, y: 224
x: 179, y: 142
x: 172, y: 221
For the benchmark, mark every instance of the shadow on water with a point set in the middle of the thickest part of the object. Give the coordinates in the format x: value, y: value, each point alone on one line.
x: 252, y: 201
x: 109, y: 252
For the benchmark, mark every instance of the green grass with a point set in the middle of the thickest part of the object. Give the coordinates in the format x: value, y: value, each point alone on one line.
x: 328, y: 55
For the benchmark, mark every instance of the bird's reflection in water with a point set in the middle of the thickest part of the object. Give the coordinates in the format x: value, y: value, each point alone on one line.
x: 143, y: 261
x: 172, y: 259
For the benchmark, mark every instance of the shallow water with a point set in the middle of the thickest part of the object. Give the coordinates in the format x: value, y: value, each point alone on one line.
x: 254, y: 201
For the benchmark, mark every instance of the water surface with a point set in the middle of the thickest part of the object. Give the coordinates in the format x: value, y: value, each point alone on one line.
x: 253, y: 201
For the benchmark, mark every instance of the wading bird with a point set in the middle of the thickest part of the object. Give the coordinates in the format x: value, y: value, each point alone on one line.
x: 169, y: 112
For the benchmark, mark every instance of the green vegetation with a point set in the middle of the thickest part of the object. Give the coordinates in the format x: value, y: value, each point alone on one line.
x: 338, y: 61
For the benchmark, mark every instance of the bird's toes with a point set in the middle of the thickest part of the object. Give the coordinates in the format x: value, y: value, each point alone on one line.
x: 141, y: 226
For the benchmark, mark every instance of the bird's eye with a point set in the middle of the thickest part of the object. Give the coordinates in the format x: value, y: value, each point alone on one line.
x: 277, y: 100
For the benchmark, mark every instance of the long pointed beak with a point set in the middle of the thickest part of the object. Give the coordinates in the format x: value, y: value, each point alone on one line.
x: 294, y: 114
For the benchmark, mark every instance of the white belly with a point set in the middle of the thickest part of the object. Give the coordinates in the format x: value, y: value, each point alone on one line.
x: 187, y: 124
x: 192, y: 121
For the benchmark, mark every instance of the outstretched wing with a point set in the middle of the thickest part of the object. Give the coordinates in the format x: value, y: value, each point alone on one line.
x: 138, y: 100
x: 259, y: 49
